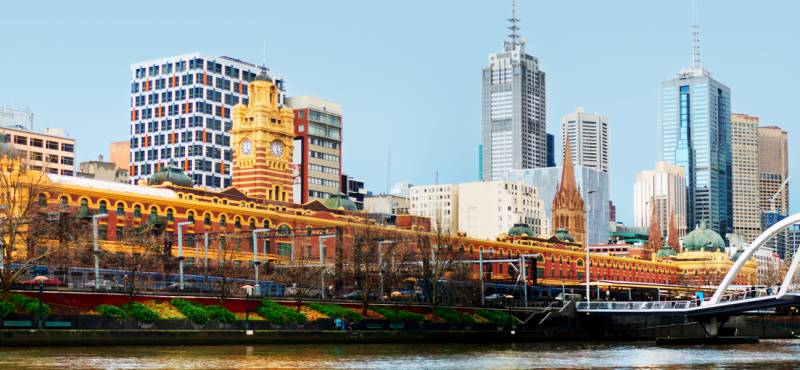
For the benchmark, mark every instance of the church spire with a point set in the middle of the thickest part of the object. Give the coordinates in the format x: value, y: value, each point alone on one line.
x: 672, y: 234
x: 654, y: 239
x: 568, y: 173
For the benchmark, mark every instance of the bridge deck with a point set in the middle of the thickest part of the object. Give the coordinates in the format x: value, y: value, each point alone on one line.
x: 688, y: 308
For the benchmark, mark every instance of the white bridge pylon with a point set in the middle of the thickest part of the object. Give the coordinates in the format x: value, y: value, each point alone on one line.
x: 748, y: 253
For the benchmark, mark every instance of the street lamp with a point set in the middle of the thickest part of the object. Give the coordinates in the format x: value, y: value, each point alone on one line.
x: 256, y: 262
x: 380, y: 265
x: 180, y: 251
x: 40, y: 280
x: 96, y: 248
x: 586, y: 264
x: 322, y: 256
x: 249, y: 289
x: 509, y: 298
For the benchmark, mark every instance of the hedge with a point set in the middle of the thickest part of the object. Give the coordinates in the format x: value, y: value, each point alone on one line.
x: 398, y: 315
x: 6, y: 308
x: 197, y: 314
x: 333, y: 311
x: 500, y: 318
x: 140, y: 312
x: 278, y: 314
x: 220, y: 314
x: 452, y: 316
x: 111, y: 311
x: 30, y: 305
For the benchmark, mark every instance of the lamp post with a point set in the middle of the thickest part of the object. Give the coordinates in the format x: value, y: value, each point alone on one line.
x: 322, y: 256
x: 40, y: 312
x: 509, y: 298
x: 180, y: 226
x: 588, y: 212
x: 96, y: 248
x: 256, y: 262
x: 248, y: 289
x: 380, y: 265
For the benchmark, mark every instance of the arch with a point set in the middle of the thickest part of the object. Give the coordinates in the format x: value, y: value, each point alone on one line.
x: 207, y: 219
x: 42, y: 200
x: 284, y: 230
x: 223, y: 220
x: 190, y: 216
x: 170, y: 214
x: 137, y: 210
x: 237, y: 222
x: 265, y: 223
x: 748, y: 253
x: 120, y: 208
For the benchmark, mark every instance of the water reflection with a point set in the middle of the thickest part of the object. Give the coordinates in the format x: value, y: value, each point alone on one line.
x: 767, y: 354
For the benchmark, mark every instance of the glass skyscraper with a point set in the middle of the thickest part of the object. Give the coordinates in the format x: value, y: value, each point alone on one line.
x: 513, y: 107
x: 696, y: 135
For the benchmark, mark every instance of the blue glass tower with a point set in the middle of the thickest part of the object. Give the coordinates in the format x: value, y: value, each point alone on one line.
x: 695, y: 134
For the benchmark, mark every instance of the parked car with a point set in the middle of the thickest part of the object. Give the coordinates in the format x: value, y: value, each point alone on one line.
x: 565, y: 297
x: 357, y: 295
x: 52, y: 281
x: 189, y: 287
x: 292, y: 291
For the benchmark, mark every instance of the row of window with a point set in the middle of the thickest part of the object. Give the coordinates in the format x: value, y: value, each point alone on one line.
x: 196, y: 63
x: 180, y: 152
x: 323, y: 182
x: 40, y: 143
x: 323, y: 156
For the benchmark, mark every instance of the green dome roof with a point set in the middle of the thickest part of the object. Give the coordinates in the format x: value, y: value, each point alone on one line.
x: 564, y: 236
x: 340, y: 201
x: 666, y: 251
x: 703, y: 238
x: 521, y: 229
x: 172, y: 174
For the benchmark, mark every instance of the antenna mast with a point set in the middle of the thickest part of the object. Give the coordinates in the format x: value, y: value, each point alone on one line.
x: 514, y: 38
x: 388, y: 169
x: 695, y: 37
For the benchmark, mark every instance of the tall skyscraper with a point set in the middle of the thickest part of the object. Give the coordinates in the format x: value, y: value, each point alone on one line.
x: 695, y: 134
x: 773, y: 169
x: 181, y: 111
x: 665, y: 188
x: 744, y: 155
x: 513, y: 107
x: 318, y: 130
x: 588, y: 137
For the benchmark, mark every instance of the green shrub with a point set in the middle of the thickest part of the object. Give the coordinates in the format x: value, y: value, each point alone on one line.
x: 398, y: 315
x: 452, y: 316
x: 6, y: 308
x: 500, y: 318
x: 278, y: 314
x: 111, y: 311
x: 36, y: 309
x: 333, y: 311
x: 20, y: 300
x: 140, y: 312
x: 220, y: 314
x: 196, y: 313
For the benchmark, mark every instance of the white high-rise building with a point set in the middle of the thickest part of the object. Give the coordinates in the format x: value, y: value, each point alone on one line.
x: 437, y: 202
x: 664, y: 187
x: 181, y: 112
x: 588, y: 138
x: 488, y: 209
x: 744, y: 154
x: 513, y: 108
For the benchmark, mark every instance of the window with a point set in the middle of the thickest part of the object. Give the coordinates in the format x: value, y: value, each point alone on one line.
x: 22, y: 140
x: 207, y: 219
x: 68, y: 147
x: 52, y: 145
x: 170, y: 216
x: 190, y: 216
x: 237, y: 223
x: 137, y: 211
x: 37, y: 142
x: 120, y: 209
x: 67, y: 161
x: 103, y: 208
x: 42, y: 200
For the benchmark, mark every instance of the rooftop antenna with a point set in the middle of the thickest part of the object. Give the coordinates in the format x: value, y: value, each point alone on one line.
x: 514, y: 38
x: 436, y: 178
x: 695, y: 37
x: 388, y: 169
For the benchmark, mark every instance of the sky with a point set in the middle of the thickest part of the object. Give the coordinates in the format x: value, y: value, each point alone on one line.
x: 408, y: 73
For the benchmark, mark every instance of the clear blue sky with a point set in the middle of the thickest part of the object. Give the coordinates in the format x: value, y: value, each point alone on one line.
x: 407, y: 73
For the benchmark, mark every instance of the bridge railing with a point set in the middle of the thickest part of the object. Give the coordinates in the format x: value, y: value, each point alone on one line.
x: 671, y: 305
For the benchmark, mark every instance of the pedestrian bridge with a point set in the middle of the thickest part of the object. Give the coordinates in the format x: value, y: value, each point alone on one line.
x: 722, y: 302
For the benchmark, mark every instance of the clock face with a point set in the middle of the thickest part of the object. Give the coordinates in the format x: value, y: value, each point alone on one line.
x: 277, y: 148
x: 247, y: 147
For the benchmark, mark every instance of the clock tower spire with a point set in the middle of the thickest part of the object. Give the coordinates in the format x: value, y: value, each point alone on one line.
x: 262, y: 137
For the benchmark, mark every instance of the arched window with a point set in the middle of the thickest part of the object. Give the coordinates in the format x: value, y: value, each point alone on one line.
x: 170, y: 215
x: 63, y: 202
x: 153, y: 213
x: 103, y: 207
x: 207, y: 219
x: 284, y: 230
x: 120, y: 209
x: 252, y: 224
x: 42, y: 200
x: 223, y: 221
x: 190, y: 216
x: 237, y: 222
x: 137, y: 211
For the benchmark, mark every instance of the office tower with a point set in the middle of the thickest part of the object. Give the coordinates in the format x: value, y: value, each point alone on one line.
x: 438, y: 202
x: 20, y: 118
x: 588, y: 137
x: 120, y: 153
x: 513, y: 109
x: 318, y: 135
x: 51, y: 150
x: 551, y: 150
x: 695, y: 135
x: 744, y: 158
x: 665, y: 188
x: 773, y: 172
x: 773, y: 169
x: 181, y: 112
x: 489, y: 208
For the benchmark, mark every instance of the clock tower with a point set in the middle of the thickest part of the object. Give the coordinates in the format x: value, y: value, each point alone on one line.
x: 262, y: 138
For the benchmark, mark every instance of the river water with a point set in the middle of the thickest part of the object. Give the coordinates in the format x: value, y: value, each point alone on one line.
x: 769, y: 354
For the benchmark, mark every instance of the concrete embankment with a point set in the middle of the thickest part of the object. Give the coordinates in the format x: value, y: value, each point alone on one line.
x: 30, y: 338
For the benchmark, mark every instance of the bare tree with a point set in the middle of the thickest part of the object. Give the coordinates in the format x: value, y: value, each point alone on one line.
x: 445, y: 252
x: 139, y: 247
x: 302, y: 275
x: 21, y: 198
x: 228, y: 268
x: 365, y: 238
